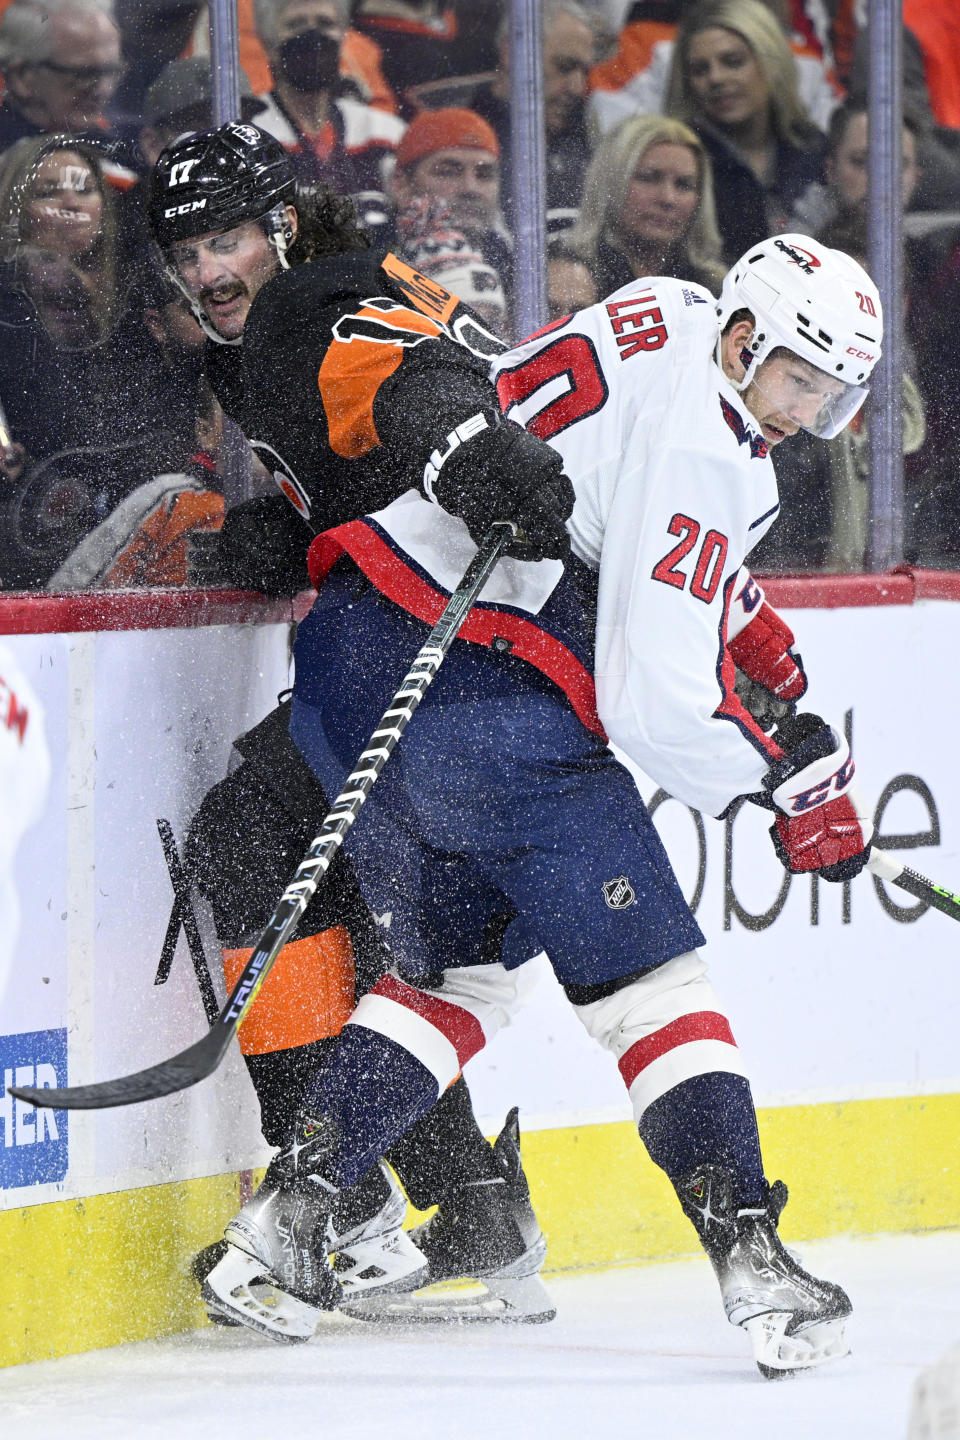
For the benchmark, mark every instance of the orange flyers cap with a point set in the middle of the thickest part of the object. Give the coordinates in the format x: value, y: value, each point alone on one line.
x: 449, y: 129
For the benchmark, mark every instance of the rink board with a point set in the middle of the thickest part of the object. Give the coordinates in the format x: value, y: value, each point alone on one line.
x: 843, y: 1000
x: 83, y: 1274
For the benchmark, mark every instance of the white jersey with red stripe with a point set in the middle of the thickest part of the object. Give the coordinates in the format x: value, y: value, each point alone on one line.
x: 674, y: 485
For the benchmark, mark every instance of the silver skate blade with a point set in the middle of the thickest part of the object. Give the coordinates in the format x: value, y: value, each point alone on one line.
x: 778, y: 1354
x: 356, y: 1289
x: 235, y: 1289
x: 509, y: 1300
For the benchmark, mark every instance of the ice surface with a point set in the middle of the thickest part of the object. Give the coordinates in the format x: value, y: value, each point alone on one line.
x: 642, y: 1352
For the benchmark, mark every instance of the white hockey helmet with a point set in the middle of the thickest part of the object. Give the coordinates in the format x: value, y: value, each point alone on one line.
x: 817, y: 302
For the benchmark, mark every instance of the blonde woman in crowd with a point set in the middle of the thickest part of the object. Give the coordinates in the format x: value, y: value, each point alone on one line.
x: 648, y: 207
x: 733, y: 80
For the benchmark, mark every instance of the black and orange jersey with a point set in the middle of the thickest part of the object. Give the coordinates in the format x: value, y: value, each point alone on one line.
x: 351, y: 372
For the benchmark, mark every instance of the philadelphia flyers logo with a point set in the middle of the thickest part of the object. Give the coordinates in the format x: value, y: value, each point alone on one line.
x: 284, y: 476
x: 382, y: 321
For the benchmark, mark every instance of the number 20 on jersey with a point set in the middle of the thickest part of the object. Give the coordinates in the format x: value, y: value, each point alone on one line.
x: 708, y: 568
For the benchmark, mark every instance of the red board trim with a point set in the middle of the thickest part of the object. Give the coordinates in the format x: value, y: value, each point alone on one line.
x: 835, y: 592
x: 27, y: 614
x: 24, y: 613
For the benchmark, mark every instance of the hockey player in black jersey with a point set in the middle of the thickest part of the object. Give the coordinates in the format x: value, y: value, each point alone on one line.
x: 346, y: 374
x: 344, y: 370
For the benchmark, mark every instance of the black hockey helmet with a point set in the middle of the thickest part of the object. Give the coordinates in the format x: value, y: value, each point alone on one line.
x: 218, y: 179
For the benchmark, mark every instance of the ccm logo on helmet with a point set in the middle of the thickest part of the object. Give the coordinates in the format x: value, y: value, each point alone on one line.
x: 860, y: 354
x: 803, y: 258
x: 187, y: 209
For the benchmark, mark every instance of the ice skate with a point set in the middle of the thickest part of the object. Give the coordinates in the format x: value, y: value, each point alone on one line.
x: 373, y: 1253
x: 272, y: 1276
x: 486, y: 1232
x: 364, y: 1235
x: 794, y: 1320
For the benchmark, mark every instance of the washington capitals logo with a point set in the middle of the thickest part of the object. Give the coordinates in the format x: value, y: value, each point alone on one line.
x: 745, y: 436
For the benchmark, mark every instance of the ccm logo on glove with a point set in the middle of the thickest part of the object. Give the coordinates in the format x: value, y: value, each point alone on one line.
x: 821, y: 828
x: 817, y: 767
x: 793, y: 802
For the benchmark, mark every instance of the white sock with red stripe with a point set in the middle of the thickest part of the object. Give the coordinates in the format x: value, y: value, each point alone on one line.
x: 400, y: 1049
x: 683, y: 1071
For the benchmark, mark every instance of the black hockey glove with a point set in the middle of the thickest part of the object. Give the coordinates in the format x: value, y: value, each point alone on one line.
x: 263, y: 546
x: 489, y: 469
x: 765, y: 707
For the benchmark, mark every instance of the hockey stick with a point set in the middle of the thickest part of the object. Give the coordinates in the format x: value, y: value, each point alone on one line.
x: 202, y: 1058
x: 183, y: 914
x: 884, y: 867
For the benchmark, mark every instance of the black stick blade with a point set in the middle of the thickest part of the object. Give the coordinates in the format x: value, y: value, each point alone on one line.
x: 178, y: 1073
x: 936, y: 896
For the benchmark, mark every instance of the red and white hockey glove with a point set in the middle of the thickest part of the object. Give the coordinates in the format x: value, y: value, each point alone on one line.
x: 762, y: 651
x: 822, y: 828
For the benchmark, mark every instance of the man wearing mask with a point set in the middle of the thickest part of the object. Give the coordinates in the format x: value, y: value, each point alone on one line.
x: 330, y: 137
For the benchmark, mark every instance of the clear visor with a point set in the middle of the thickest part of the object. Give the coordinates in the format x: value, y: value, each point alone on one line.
x: 796, y: 391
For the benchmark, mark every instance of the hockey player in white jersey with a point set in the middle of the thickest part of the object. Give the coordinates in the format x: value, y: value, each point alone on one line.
x: 505, y: 810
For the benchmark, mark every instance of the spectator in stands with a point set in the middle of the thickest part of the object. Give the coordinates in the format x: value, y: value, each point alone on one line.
x: 929, y: 95
x: 568, y: 53
x: 570, y: 285
x: 59, y: 232
x: 454, y: 156
x: 180, y: 99
x: 80, y: 378
x: 419, y: 42
x: 332, y: 138
x: 733, y: 80
x: 648, y: 207
x: 60, y: 61
x: 429, y: 240
x: 155, y: 32
x: 634, y: 79
x: 845, y: 171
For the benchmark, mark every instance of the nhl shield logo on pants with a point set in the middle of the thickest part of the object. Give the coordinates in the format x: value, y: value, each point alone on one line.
x: 618, y: 893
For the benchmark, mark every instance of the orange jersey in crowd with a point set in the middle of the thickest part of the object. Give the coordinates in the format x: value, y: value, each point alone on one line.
x: 936, y: 24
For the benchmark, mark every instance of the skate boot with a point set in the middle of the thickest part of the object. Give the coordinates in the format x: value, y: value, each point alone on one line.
x: 373, y: 1253
x: 370, y: 1250
x: 486, y: 1231
x: 274, y: 1277
x: 794, y: 1320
